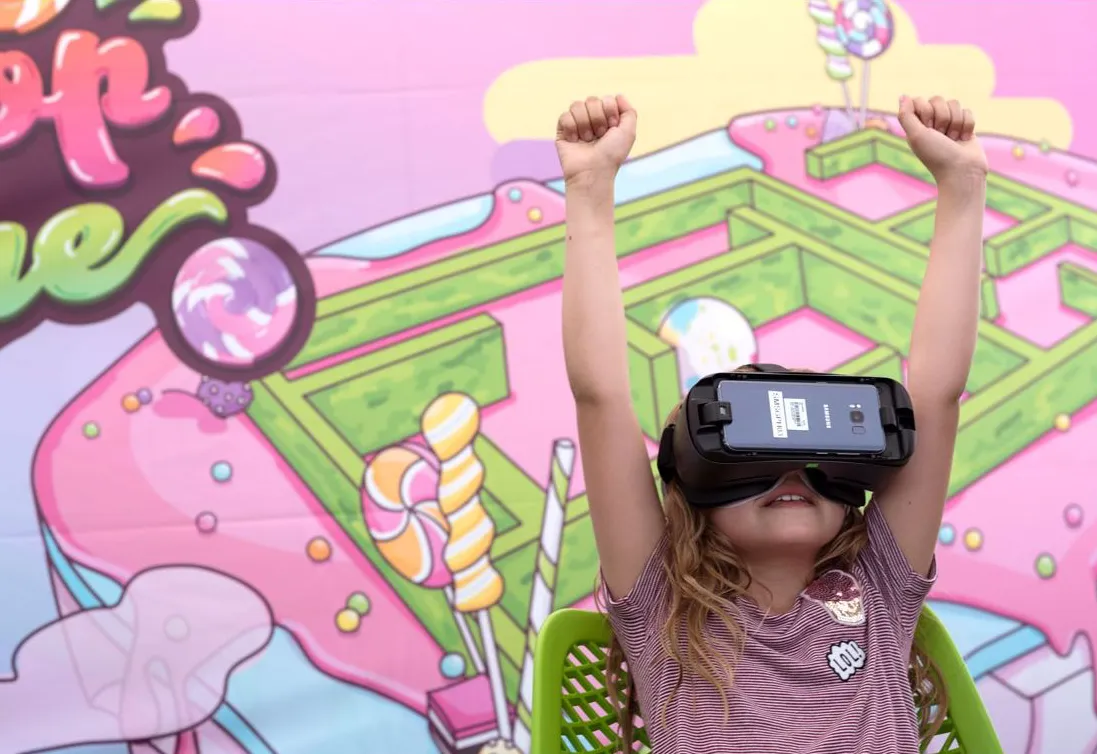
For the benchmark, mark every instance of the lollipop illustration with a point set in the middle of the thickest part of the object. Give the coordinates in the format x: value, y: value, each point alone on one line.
x: 402, y: 515
x: 866, y: 29
x: 399, y: 502
x: 838, y: 65
x: 234, y: 301
x: 450, y: 425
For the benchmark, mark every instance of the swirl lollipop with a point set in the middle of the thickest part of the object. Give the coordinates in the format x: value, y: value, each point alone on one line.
x: 234, y: 301
x: 403, y: 517
x: 399, y: 491
x: 866, y: 29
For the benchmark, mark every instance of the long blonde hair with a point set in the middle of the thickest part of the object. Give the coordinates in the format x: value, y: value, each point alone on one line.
x: 706, y: 578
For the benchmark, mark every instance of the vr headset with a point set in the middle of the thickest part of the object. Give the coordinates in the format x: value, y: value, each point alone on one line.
x: 738, y: 433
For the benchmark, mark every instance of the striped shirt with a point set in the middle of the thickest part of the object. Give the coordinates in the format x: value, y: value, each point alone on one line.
x: 827, y: 677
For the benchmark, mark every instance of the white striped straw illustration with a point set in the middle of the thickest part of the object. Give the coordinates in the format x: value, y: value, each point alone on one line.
x: 544, y: 579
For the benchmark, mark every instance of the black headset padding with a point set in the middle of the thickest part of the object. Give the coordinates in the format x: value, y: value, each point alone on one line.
x: 665, y: 460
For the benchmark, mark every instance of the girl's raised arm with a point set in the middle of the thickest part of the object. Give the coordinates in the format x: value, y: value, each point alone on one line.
x: 942, y: 135
x: 593, y: 138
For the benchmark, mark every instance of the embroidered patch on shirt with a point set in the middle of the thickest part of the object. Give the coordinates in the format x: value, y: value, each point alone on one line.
x: 840, y: 594
x: 846, y: 658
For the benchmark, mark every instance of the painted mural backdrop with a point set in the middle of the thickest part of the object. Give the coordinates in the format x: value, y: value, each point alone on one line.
x: 288, y: 461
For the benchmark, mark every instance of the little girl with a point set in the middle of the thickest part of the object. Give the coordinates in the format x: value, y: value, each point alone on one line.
x: 782, y: 623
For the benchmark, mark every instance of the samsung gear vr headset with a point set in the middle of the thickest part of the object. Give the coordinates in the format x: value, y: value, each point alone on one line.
x: 738, y: 433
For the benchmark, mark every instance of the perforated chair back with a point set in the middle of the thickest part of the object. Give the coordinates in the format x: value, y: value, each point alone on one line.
x: 572, y: 711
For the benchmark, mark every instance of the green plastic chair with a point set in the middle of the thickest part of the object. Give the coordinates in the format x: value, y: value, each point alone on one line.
x: 572, y: 713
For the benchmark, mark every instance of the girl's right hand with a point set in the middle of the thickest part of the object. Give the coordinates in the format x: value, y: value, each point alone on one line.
x: 594, y: 137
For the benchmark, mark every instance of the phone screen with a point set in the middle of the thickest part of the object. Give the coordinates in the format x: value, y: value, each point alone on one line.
x: 802, y: 416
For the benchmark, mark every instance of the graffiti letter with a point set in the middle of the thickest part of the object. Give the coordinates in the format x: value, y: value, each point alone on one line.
x: 69, y: 246
x: 79, y: 256
x: 81, y: 67
x: 13, y: 251
x: 20, y: 97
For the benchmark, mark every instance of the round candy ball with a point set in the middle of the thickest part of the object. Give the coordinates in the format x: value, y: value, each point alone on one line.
x: 947, y: 534
x: 318, y: 549
x: 221, y: 471
x: 359, y: 603
x: 1073, y: 515
x: 973, y: 539
x: 206, y: 522
x: 1045, y: 566
x: 347, y: 621
x: 452, y: 665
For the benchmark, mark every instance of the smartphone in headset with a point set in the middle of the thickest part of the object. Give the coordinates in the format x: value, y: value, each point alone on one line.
x: 809, y: 416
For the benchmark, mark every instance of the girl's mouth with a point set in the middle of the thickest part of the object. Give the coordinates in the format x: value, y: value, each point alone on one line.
x: 789, y: 500
x: 791, y: 492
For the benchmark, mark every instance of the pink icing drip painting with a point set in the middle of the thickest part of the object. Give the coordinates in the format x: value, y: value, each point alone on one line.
x: 198, y: 125
x: 240, y: 166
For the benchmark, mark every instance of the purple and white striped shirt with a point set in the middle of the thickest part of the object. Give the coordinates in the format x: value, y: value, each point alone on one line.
x: 828, y: 677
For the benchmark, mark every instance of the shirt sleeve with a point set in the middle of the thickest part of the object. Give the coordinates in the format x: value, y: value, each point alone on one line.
x: 633, y: 615
x: 904, y: 590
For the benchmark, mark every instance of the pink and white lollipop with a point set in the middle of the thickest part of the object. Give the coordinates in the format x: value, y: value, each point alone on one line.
x: 234, y: 301
x: 866, y: 29
x: 400, y: 503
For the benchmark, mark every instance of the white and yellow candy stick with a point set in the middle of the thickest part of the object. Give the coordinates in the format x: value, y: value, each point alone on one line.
x: 450, y: 426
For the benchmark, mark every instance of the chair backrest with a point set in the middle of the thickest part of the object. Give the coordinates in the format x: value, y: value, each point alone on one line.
x: 572, y: 713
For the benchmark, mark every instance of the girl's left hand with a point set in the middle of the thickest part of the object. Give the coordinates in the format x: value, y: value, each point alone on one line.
x: 942, y: 135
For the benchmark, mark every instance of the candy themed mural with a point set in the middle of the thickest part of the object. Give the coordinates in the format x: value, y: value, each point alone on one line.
x: 289, y: 462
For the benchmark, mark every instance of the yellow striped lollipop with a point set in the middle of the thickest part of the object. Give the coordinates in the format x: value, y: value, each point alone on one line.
x: 450, y: 425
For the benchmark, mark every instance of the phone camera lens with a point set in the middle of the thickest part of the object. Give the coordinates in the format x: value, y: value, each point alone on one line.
x: 857, y: 417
